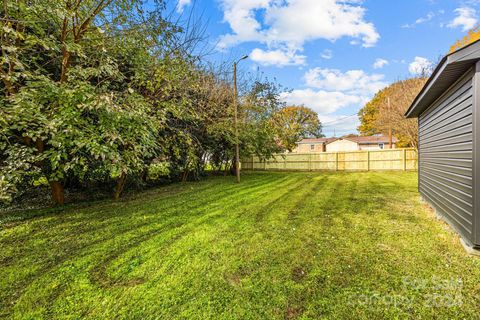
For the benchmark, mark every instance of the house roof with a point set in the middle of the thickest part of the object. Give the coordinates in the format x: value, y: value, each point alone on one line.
x: 359, y: 140
x: 317, y: 140
x: 372, y: 139
x: 447, y: 72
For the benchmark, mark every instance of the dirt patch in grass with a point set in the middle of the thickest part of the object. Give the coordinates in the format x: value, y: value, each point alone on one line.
x: 298, y: 274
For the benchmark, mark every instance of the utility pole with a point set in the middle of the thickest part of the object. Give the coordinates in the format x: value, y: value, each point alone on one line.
x: 235, y: 106
x: 390, y: 139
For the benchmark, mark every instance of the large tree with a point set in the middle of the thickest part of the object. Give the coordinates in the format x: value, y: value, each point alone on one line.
x: 471, y: 36
x: 292, y: 123
x: 73, y: 74
x: 104, y: 92
x: 387, y: 111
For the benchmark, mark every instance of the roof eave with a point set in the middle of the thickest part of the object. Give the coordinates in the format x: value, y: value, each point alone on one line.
x: 413, y: 110
x: 460, y: 60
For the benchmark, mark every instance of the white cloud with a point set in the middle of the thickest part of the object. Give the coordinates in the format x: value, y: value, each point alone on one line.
x: 353, y: 81
x: 330, y: 90
x: 182, y: 4
x: 322, y: 102
x: 421, y: 20
x: 291, y: 23
x: 420, y: 66
x: 327, y: 54
x: 303, y: 20
x: 277, y: 57
x: 466, y: 18
x: 380, y: 63
x: 240, y: 15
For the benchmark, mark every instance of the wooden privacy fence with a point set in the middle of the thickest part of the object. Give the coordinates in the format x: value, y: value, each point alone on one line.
x: 390, y: 159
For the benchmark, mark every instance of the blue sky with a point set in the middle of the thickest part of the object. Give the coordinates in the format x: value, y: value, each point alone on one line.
x: 334, y: 55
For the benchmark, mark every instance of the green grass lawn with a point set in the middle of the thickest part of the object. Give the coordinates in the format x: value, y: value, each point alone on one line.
x: 277, y: 246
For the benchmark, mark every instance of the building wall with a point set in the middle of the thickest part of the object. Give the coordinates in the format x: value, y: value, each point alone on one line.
x: 446, y: 150
x: 376, y: 147
x: 306, y: 148
x: 342, y: 145
x: 339, y: 145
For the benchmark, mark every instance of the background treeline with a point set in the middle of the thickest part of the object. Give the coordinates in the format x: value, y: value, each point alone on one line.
x: 115, y: 93
x: 386, y: 111
x: 387, y: 108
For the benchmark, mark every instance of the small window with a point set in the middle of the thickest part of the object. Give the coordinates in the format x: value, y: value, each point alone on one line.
x: 381, y: 146
x: 312, y: 147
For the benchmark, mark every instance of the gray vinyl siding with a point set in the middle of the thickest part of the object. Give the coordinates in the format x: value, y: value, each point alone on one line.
x: 446, y: 153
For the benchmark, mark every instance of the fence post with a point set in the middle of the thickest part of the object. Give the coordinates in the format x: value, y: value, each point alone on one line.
x: 336, y: 161
x: 285, y: 162
x: 368, y: 160
x: 404, y: 159
x: 253, y: 164
x: 265, y: 164
x: 310, y: 162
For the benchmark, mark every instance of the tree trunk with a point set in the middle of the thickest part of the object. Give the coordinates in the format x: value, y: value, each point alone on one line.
x: 65, y: 65
x: 144, y: 176
x: 120, y: 185
x: 57, y: 188
x: 9, y: 86
x: 225, y: 171
x: 233, y: 167
x: 58, y: 194
x: 185, y: 175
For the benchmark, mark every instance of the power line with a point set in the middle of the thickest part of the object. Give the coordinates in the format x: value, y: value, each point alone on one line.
x: 341, y: 129
x: 339, y: 119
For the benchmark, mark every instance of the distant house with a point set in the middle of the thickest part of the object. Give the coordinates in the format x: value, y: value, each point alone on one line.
x: 361, y: 143
x: 313, y: 145
x: 345, y: 144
